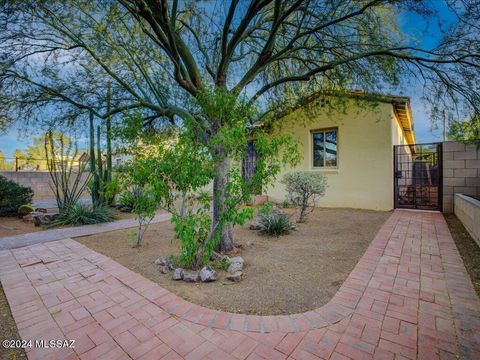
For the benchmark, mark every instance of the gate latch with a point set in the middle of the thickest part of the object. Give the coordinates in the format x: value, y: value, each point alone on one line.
x: 398, y: 174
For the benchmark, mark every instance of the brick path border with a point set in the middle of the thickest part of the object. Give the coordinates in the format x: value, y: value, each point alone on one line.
x: 408, y: 297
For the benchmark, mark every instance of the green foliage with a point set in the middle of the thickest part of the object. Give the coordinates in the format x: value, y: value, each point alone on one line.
x: 126, y: 201
x: 175, y: 169
x: 304, y: 188
x: 12, y: 196
x: 101, y: 187
x: 68, y: 176
x: 274, y: 223
x: 83, y: 214
x: 25, y: 209
x: 466, y: 131
x: 266, y: 208
x: 192, y: 231
x: 220, y: 265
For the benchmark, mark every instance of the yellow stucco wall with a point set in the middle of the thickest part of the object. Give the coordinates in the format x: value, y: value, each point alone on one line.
x: 366, y: 135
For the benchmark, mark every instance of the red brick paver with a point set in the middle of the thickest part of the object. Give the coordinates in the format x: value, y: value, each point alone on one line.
x: 408, y: 297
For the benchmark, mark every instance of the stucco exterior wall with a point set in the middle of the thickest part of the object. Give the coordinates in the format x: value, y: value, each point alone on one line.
x: 366, y: 135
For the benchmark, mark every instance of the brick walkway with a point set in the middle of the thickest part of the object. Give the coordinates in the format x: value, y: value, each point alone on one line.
x: 408, y: 297
x: 17, y: 241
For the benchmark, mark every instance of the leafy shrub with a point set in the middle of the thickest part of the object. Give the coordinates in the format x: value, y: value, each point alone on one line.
x: 12, y: 196
x: 304, y: 188
x: 83, y: 214
x: 25, y: 209
x: 126, y: 201
x: 274, y: 223
x: 219, y: 264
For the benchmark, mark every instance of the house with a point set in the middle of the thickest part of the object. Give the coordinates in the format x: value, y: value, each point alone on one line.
x: 350, y: 139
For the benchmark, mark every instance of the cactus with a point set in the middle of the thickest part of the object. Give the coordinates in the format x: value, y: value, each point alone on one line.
x: 101, y: 176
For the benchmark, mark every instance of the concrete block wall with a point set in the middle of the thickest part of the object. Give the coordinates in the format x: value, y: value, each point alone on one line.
x: 467, y: 211
x: 461, y: 172
x: 39, y: 181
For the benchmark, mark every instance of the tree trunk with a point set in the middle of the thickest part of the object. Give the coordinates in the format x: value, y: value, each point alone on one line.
x: 219, y: 187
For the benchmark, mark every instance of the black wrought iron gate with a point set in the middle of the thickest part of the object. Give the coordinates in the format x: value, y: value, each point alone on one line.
x: 418, y: 176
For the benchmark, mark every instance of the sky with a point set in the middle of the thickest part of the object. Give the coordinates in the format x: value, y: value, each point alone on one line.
x: 428, y: 33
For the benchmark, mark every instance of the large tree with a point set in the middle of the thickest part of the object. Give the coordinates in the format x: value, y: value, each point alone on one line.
x: 162, y: 55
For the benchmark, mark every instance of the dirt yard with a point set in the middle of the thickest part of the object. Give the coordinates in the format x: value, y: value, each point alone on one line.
x: 468, y: 249
x: 13, y: 225
x: 294, y: 273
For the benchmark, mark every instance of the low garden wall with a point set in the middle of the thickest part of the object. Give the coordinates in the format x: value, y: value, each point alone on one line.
x: 467, y: 210
x: 461, y: 172
x: 39, y: 181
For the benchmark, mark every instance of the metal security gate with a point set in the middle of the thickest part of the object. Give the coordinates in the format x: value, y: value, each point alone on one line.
x: 418, y: 176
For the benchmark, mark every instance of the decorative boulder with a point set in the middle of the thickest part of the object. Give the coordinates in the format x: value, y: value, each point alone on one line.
x: 178, y: 274
x: 255, y: 225
x: 207, y: 274
x: 235, y: 277
x: 44, y: 219
x: 236, y: 264
x: 29, y: 217
x: 164, y: 269
x: 165, y: 263
x: 216, y: 256
x: 190, y: 276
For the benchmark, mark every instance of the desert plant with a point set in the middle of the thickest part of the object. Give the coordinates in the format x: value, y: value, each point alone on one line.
x: 66, y: 171
x: 126, y: 201
x: 274, y: 223
x: 304, y: 188
x: 82, y: 214
x: 12, y: 196
x: 102, y: 175
x: 25, y: 210
x: 220, y: 264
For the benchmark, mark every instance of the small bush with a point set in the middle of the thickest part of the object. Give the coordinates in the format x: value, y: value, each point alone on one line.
x: 218, y: 264
x: 126, y: 201
x: 82, y: 214
x: 274, y: 223
x: 12, y: 196
x: 25, y: 210
x: 304, y: 188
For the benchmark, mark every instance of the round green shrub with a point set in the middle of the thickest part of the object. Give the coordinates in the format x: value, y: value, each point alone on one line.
x: 25, y: 209
x: 12, y: 196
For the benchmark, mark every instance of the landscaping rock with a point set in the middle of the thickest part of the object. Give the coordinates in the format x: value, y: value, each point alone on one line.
x: 207, y: 274
x: 236, y: 264
x: 255, y: 225
x: 216, y: 256
x: 42, y: 210
x: 164, y: 269
x: 190, y: 276
x: 164, y: 262
x: 29, y: 217
x: 44, y: 219
x: 178, y: 274
x: 235, y: 277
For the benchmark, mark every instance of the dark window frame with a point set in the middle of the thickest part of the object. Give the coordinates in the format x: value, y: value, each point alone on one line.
x: 312, y: 151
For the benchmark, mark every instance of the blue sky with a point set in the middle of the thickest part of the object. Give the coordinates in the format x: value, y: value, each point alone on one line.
x: 427, y: 34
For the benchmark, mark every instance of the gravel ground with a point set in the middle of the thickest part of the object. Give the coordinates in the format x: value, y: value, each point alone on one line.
x: 468, y: 249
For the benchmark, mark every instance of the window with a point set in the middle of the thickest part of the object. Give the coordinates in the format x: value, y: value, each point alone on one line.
x: 325, y: 148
